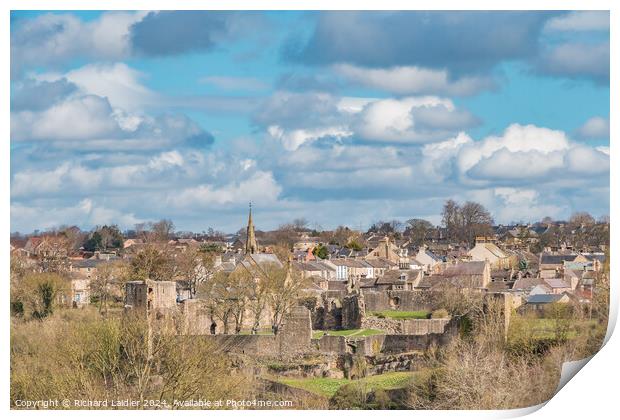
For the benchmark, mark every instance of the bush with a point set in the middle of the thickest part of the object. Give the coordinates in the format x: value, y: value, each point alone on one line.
x: 351, y: 396
x: 440, y: 313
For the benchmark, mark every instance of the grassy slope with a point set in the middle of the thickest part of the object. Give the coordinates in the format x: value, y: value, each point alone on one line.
x: 401, y: 314
x: 328, y: 386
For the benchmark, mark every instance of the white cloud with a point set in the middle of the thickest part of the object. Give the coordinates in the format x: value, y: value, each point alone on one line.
x: 589, y: 20
x: 594, y: 128
x: 576, y: 59
x: 78, y: 118
x: 117, y: 82
x: 438, y: 158
x: 52, y: 39
x: 86, y: 212
x: 516, y: 205
x: 528, y: 152
x: 515, y: 139
x: 415, y: 80
x: 293, y: 139
x: 587, y: 161
x: 260, y: 187
x: 391, y: 119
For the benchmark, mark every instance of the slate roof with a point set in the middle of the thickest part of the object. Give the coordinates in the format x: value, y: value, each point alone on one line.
x: 557, y: 283
x: 464, y: 268
x: 526, y: 283
x: 554, y: 259
x: 537, y: 299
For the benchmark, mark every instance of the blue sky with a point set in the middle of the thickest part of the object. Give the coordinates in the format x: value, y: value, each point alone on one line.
x: 337, y: 117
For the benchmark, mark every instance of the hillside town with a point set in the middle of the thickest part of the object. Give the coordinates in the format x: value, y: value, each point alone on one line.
x: 297, y: 305
x: 540, y: 263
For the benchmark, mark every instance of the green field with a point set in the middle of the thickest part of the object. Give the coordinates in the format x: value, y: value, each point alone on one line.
x: 364, y: 332
x: 328, y: 386
x: 401, y: 314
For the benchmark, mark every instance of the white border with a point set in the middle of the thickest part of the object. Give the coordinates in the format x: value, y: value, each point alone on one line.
x: 591, y: 394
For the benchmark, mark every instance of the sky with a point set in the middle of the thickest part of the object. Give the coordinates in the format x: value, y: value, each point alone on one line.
x: 335, y: 117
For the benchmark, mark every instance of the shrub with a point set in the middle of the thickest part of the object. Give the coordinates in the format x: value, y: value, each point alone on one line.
x: 440, y: 313
x: 350, y: 396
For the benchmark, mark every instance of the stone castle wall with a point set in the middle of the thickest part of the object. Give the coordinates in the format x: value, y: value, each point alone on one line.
x: 403, y: 300
x: 406, y: 326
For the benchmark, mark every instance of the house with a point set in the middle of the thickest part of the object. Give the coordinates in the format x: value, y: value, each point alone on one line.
x: 427, y: 258
x: 399, y: 280
x: 380, y: 266
x: 385, y: 249
x: 541, y: 289
x: 538, y: 303
x: 572, y: 277
x: 552, y: 265
x: 468, y: 274
x: 525, y: 285
x: 488, y: 251
x: 316, y: 269
x: 557, y: 285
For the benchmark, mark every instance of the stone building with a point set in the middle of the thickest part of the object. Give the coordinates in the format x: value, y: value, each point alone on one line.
x: 151, y: 298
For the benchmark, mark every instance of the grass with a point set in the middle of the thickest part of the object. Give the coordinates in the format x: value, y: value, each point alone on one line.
x: 401, y: 314
x: 328, y: 386
x: 363, y: 332
x: 545, y: 328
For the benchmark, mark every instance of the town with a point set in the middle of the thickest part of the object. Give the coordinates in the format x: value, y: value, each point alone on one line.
x: 308, y: 314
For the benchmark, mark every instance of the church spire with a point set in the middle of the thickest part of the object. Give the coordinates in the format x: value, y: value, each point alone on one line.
x: 251, y: 246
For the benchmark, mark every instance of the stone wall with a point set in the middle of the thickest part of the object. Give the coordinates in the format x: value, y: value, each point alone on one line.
x: 353, y: 312
x: 331, y: 344
x: 403, y: 300
x: 296, y: 333
x: 406, y: 326
x: 294, y: 338
x: 195, y: 319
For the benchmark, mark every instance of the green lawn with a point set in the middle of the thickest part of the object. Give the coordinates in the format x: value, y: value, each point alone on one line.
x: 364, y: 332
x: 328, y: 386
x: 401, y: 314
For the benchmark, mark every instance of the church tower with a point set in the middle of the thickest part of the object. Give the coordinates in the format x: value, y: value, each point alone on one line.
x: 251, y: 246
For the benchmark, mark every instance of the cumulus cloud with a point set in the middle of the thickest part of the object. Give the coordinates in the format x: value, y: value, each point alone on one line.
x: 408, y: 80
x: 81, y: 118
x: 86, y: 212
x: 438, y: 159
x: 176, y: 32
x: 53, y: 39
x: 410, y: 120
x: 594, y: 128
x: 461, y: 41
x: 588, y: 20
x: 576, y: 60
x: 523, y: 204
x: 293, y: 139
x: 260, y: 187
x: 528, y: 152
x: 33, y: 95
x: 78, y: 119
